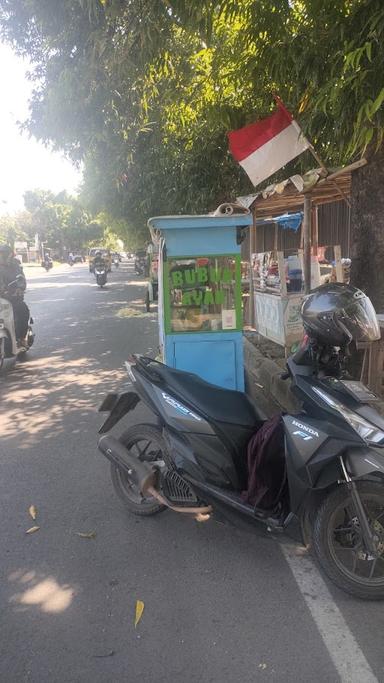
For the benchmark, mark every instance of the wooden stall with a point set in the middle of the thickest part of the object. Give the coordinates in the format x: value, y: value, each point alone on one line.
x: 298, y: 193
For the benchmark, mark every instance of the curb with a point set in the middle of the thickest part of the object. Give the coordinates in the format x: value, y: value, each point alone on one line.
x: 264, y: 383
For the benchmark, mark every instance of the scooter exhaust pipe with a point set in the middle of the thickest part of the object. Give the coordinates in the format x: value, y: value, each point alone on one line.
x: 143, y: 476
x: 139, y: 473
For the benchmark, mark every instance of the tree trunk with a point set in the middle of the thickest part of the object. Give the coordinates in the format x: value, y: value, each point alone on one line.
x: 367, y: 229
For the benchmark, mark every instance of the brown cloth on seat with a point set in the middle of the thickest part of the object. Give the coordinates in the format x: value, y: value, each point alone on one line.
x: 266, y: 464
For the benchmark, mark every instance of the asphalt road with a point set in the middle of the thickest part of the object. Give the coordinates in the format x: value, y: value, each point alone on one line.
x: 220, y: 605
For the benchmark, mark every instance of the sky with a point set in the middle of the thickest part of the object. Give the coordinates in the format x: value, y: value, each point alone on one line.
x: 25, y: 164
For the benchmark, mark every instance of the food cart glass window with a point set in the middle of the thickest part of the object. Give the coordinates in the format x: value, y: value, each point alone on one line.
x: 203, y: 295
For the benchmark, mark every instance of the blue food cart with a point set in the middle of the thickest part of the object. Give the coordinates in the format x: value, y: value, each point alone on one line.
x: 200, y: 308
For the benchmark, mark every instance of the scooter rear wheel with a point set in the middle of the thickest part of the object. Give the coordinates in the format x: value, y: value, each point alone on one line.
x: 147, y: 444
x: 338, y: 543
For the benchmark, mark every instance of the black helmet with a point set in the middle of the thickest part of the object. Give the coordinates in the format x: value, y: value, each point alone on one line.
x: 336, y: 314
x: 5, y: 254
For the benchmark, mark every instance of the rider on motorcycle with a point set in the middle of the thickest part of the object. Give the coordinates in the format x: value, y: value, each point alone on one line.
x: 10, y: 270
x: 47, y: 261
x: 99, y: 261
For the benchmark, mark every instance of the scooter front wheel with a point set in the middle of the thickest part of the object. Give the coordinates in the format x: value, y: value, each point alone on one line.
x: 147, y: 444
x: 338, y: 542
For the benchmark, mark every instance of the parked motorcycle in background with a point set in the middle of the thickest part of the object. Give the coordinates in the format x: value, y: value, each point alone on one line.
x: 10, y: 347
x: 140, y: 262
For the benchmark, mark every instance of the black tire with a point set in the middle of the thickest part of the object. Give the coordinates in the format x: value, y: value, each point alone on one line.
x: 345, y: 538
x: 31, y: 337
x: 132, y: 499
x: 147, y: 302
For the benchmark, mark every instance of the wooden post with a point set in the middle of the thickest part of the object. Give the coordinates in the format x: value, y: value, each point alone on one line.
x: 338, y: 264
x: 276, y: 237
x: 315, y: 230
x: 283, y: 281
x: 252, y: 249
x: 307, y: 242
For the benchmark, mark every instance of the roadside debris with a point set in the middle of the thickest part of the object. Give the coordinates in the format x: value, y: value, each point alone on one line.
x: 32, y: 511
x: 139, y: 611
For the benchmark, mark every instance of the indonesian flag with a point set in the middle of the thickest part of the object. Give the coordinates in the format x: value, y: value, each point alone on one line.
x: 267, y: 145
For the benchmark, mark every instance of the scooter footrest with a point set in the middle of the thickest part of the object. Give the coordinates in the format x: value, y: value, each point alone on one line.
x: 176, y: 489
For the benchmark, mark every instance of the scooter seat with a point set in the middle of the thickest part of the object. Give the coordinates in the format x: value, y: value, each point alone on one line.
x: 222, y: 405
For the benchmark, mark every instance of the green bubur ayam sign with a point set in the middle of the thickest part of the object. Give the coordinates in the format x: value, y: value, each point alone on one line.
x: 202, y: 278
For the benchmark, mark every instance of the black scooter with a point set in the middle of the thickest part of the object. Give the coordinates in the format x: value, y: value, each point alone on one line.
x: 140, y: 265
x: 101, y: 275
x: 193, y: 460
x: 47, y: 264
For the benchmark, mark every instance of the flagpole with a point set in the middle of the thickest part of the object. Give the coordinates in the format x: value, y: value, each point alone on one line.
x: 321, y: 163
x: 307, y: 246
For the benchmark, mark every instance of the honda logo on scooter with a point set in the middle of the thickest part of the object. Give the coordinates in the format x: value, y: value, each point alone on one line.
x: 308, y: 432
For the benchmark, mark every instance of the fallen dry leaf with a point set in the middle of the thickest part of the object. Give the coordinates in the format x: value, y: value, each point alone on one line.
x: 32, y: 511
x: 139, y: 611
x: 32, y: 530
x: 88, y: 534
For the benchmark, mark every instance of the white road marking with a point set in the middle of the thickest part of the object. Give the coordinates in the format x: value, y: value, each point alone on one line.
x: 343, y: 649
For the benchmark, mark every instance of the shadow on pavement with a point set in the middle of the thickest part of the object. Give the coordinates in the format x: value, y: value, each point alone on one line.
x: 58, y: 394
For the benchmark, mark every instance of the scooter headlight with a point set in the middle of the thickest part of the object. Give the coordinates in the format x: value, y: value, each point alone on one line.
x: 366, y: 430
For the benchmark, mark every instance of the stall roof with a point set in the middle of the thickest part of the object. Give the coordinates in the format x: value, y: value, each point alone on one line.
x: 288, y: 195
x: 202, y: 221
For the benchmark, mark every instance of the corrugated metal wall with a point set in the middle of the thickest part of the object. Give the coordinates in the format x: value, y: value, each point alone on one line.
x: 334, y: 228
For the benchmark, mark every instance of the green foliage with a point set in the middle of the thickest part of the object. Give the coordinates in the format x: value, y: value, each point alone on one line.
x: 10, y: 230
x: 145, y: 92
x: 60, y: 221
x: 328, y: 64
